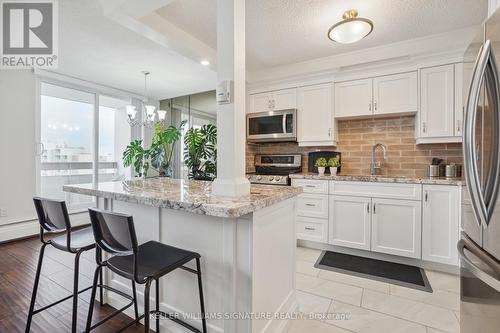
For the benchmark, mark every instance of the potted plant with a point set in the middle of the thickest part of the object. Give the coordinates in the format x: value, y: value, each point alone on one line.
x: 162, y: 147
x: 333, y: 163
x: 135, y: 155
x: 321, y: 164
x: 200, y: 152
x: 158, y: 156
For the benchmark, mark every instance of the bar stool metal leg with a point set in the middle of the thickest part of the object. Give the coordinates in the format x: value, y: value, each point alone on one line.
x: 35, y: 288
x: 92, y: 299
x: 75, y: 292
x: 146, y: 305
x: 202, y: 302
x: 157, y: 305
x: 134, y: 293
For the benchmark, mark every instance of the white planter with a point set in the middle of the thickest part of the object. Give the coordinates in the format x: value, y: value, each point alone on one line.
x: 333, y: 171
x: 321, y: 171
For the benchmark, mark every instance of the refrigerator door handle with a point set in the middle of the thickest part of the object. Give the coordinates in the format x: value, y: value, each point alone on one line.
x: 473, y: 268
x: 483, y: 68
x: 493, y: 92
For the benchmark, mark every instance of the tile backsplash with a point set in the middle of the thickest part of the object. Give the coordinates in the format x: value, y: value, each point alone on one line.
x: 355, y: 141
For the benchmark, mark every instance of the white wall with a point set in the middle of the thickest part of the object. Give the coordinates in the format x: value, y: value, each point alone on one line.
x: 17, y: 145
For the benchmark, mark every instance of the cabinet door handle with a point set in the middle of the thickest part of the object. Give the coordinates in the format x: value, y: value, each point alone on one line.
x: 367, y: 207
x: 329, y: 132
x: 370, y: 107
x: 374, y: 209
x: 310, y: 205
x: 426, y: 196
x: 311, y: 186
x: 309, y: 228
x: 459, y: 126
x: 424, y: 127
x: 375, y: 106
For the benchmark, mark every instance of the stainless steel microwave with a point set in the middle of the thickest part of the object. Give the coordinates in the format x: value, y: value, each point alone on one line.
x: 272, y: 126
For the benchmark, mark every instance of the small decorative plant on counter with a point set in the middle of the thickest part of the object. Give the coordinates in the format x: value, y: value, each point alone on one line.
x: 200, y: 152
x: 158, y: 156
x: 321, y: 164
x: 333, y: 163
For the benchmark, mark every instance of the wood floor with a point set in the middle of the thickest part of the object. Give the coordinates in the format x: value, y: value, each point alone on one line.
x: 18, y: 262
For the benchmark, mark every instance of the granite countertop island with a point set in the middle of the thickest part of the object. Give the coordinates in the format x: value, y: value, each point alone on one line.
x: 247, y: 247
x: 382, y: 179
x: 187, y: 195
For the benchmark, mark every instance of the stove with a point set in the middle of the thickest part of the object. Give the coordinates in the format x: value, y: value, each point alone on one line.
x: 274, y: 169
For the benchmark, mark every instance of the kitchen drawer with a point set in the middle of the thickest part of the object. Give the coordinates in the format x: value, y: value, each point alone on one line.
x: 312, y: 205
x: 312, y: 186
x: 377, y: 190
x: 312, y: 229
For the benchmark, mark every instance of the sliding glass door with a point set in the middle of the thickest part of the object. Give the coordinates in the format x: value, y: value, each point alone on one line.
x: 82, y: 136
x: 66, y: 125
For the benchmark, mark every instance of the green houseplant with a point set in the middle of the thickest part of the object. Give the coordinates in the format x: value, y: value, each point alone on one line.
x: 135, y: 155
x: 158, y: 156
x: 321, y: 164
x: 333, y: 163
x: 200, y: 152
x: 162, y: 147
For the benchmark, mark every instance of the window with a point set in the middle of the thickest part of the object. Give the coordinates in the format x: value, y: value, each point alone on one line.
x: 68, y: 139
x: 114, y: 136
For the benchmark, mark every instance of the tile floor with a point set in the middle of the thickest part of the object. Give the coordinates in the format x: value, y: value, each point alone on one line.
x: 354, y: 304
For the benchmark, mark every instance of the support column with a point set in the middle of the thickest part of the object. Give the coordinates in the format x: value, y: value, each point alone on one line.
x: 231, y: 179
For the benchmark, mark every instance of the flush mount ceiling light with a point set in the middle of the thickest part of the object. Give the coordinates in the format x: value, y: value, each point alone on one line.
x: 205, y: 62
x: 351, y: 29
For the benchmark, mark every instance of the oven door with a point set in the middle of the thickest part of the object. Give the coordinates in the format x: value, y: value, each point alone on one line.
x: 480, y: 289
x: 272, y: 126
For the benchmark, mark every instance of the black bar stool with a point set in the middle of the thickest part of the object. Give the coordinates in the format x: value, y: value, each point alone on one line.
x: 115, y: 234
x: 53, y: 218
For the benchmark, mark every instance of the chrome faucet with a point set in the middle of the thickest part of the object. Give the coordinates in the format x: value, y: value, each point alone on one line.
x: 374, y: 165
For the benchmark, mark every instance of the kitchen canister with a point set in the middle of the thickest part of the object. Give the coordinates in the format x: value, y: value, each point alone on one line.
x: 433, y: 171
x: 451, y: 171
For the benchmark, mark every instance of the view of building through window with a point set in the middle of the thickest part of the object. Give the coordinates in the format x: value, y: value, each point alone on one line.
x: 67, y: 137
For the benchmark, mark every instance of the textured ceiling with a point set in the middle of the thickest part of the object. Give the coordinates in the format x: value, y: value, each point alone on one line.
x: 288, y: 31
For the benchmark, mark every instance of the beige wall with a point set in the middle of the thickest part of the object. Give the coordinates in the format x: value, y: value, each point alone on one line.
x: 356, y: 138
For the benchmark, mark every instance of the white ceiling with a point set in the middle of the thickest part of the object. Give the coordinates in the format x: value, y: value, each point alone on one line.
x: 94, y: 48
x: 288, y: 31
x: 110, y: 41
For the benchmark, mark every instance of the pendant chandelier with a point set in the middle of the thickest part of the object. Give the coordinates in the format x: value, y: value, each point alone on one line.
x: 148, y: 118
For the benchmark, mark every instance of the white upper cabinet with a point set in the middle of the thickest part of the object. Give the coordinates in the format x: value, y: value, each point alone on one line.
x: 440, y: 223
x: 274, y: 100
x: 437, y: 103
x: 395, y: 93
x: 353, y: 98
x: 285, y: 99
x: 315, y: 122
x: 396, y: 227
x: 383, y: 95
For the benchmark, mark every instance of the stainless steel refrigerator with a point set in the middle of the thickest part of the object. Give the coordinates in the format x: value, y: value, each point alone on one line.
x: 479, y: 247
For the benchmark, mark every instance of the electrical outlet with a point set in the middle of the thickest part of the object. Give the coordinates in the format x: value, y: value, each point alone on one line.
x: 3, y: 212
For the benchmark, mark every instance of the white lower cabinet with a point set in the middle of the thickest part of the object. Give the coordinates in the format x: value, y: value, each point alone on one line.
x: 440, y: 223
x: 312, y: 205
x: 396, y: 227
x: 312, y: 229
x: 350, y: 221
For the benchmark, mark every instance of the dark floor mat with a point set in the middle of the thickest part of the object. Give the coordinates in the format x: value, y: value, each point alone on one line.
x: 385, y: 271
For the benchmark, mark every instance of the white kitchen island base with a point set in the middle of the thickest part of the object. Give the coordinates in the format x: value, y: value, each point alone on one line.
x: 247, y: 263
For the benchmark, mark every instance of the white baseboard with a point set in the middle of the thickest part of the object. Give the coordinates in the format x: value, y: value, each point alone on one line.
x: 10, y: 232
x: 289, y: 306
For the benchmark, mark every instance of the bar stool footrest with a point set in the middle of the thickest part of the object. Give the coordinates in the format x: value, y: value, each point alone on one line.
x: 116, y: 312
x: 59, y: 301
